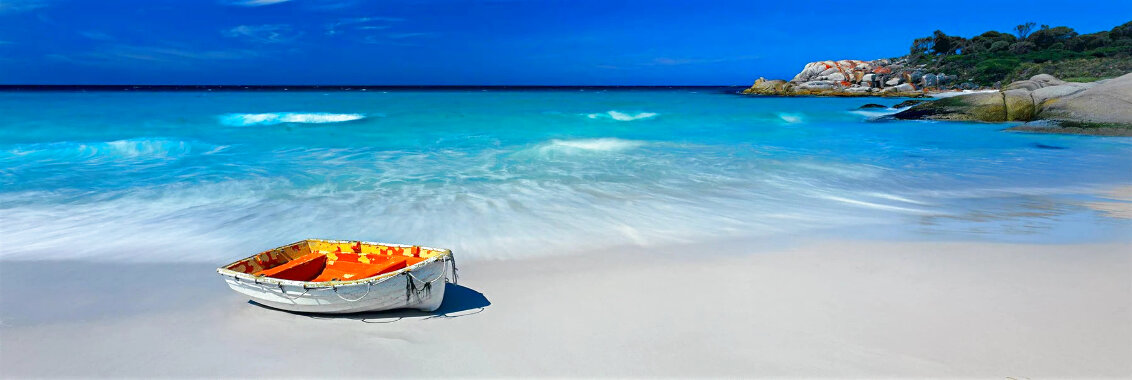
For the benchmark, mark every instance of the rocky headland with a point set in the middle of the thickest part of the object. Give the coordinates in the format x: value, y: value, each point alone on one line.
x: 850, y: 77
x: 1095, y: 99
x: 943, y: 62
x: 1046, y: 103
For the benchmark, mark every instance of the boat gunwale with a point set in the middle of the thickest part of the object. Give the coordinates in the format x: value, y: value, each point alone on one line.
x: 241, y: 276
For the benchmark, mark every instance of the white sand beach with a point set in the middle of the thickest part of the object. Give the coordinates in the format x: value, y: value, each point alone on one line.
x: 826, y: 309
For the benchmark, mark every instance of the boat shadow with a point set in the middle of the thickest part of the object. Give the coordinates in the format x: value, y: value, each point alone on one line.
x: 459, y: 301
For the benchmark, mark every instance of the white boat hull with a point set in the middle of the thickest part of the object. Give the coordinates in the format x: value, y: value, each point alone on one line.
x: 418, y: 287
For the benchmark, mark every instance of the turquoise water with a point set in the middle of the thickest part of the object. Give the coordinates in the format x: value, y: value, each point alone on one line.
x: 212, y: 176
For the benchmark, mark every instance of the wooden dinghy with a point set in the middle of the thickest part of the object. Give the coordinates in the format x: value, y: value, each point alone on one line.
x: 338, y: 276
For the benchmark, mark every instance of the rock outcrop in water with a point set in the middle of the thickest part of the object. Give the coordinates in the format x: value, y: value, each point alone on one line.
x: 1101, y: 107
x: 881, y: 77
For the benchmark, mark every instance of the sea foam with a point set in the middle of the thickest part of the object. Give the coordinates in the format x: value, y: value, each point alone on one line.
x: 129, y: 149
x: 622, y: 116
x: 941, y: 95
x: 790, y: 118
x: 605, y: 144
x: 876, y: 113
x: 247, y: 119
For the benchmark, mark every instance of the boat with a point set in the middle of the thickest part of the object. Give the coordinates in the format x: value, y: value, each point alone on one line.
x: 344, y: 276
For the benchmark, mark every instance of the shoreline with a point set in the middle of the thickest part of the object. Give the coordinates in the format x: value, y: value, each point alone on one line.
x: 1048, y: 104
x: 1057, y: 128
x: 830, y: 308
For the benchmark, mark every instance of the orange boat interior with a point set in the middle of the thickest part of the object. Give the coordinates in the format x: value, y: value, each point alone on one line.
x: 323, y: 260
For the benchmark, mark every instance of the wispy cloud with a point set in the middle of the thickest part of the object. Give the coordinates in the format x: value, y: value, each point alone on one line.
x: 398, y: 36
x: 168, y: 55
x: 394, y: 39
x: 97, y: 36
x: 16, y: 6
x: 165, y: 53
x: 667, y: 61
x: 328, y: 5
x: 267, y: 34
x: 360, y: 24
x: 252, y: 3
x: 373, y: 30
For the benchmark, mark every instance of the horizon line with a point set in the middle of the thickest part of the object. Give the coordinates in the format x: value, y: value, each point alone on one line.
x: 320, y: 86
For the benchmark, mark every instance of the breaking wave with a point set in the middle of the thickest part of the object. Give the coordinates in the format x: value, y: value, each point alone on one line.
x: 605, y: 144
x: 577, y: 147
x: 247, y: 119
x: 872, y: 114
x: 790, y: 118
x: 941, y: 95
x: 622, y: 116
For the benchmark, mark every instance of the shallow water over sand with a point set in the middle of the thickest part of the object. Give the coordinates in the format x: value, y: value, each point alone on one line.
x: 211, y: 176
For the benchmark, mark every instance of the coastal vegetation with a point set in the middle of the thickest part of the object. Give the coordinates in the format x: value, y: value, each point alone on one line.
x: 997, y: 57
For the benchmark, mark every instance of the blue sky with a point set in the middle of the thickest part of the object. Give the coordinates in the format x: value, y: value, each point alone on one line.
x: 485, y: 42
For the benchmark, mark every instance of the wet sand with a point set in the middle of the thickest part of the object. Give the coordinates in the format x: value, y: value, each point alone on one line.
x: 836, y: 308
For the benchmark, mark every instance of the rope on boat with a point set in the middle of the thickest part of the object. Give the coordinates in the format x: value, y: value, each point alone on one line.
x: 411, y: 287
x: 284, y: 293
x: 426, y: 287
x: 369, y: 287
x: 455, y: 272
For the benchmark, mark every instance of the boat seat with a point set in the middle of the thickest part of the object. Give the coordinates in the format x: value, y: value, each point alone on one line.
x: 349, y: 271
x: 303, y: 268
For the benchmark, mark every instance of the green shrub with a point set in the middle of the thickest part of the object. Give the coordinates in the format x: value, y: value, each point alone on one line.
x: 995, y: 56
x: 991, y: 70
x: 1022, y: 47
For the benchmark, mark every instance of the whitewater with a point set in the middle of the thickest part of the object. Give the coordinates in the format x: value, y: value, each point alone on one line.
x: 510, y: 174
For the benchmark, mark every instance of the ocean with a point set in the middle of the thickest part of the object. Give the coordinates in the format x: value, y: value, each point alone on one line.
x: 212, y: 176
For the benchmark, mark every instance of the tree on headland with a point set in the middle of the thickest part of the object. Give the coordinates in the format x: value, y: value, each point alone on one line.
x: 994, y: 56
x: 921, y: 46
x: 1023, y: 31
x: 938, y: 44
x: 1047, y: 37
x: 943, y: 44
